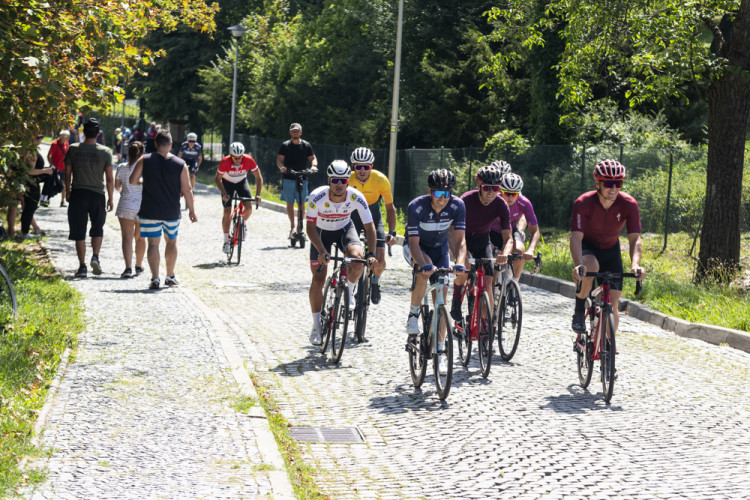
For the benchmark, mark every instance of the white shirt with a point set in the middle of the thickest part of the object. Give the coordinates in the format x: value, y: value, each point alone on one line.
x: 130, y: 198
x: 331, y: 216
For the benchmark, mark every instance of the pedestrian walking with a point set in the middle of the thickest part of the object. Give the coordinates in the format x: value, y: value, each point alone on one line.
x: 164, y: 177
x: 56, y: 157
x: 127, y: 212
x: 87, y: 166
x: 33, y: 192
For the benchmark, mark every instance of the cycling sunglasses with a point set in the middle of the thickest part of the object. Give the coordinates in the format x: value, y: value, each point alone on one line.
x: 441, y: 194
x: 612, y: 184
x: 236, y: 157
x: 339, y: 180
x: 489, y: 187
x: 362, y: 166
x: 509, y: 193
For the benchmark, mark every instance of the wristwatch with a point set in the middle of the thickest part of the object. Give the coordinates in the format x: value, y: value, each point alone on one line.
x: 392, y: 233
x: 370, y: 254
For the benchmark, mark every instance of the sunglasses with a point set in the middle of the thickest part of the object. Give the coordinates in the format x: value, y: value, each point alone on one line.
x: 362, y: 166
x: 612, y: 184
x: 441, y: 194
x: 236, y: 157
x: 508, y: 193
x: 488, y: 187
x: 191, y: 141
x: 339, y: 180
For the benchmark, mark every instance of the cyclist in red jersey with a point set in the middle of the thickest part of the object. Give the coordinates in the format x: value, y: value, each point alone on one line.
x: 598, y: 217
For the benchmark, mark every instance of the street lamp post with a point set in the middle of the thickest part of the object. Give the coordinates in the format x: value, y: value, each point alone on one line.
x: 237, y: 32
x: 394, y: 108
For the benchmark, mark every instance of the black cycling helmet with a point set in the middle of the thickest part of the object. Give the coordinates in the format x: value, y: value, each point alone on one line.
x: 441, y: 180
x: 489, y: 175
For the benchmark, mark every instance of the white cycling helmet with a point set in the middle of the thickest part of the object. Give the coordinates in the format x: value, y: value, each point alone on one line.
x: 192, y: 137
x: 236, y: 149
x: 503, y: 165
x: 339, y: 168
x: 512, y: 183
x: 363, y: 155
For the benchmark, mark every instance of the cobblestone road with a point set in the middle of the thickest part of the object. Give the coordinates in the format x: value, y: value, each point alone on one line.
x: 678, y: 425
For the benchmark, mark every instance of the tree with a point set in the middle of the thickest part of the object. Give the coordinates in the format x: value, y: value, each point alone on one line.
x: 643, y: 52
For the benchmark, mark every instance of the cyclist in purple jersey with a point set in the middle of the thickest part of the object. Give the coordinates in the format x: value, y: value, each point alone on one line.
x: 598, y: 217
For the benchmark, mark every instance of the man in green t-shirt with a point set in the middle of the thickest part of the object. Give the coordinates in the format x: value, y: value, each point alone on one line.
x: 87, y: 165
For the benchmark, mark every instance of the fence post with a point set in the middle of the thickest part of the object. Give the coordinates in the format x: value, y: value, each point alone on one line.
x: 621, y: 148
x: 442, y: 152
x: 669, y: 196
x: 583, y: 163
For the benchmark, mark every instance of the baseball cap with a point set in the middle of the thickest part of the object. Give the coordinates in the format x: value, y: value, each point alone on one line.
x: 295, y: 126
x: 91, y: 125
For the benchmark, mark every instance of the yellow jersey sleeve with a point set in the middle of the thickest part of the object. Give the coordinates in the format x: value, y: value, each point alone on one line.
x: 377, y: 185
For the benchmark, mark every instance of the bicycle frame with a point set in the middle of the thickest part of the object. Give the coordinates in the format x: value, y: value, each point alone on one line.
x: 477, y: 277
x: 438, y: 288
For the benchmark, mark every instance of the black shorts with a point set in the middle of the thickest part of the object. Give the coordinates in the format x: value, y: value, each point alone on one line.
x: 241, y: 188
x: 497, y: 238
x: 343, y: 238
x: 85, y: 205
x: 610, y: 261
x: 480, y: 247
x: 193, y: 169
x: 377, y: 219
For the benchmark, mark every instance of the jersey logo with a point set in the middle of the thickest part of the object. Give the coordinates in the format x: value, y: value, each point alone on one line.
x: 618, y: 216
x: 327, y: 205
x: 354, y: 197
x: 312, y: 205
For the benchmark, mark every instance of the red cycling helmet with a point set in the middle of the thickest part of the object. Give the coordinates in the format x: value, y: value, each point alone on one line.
x: 609, y: 170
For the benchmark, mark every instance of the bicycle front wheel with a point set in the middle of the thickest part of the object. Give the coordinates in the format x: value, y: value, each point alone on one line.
x: 326, y: 315
x: 8, y: 302
x: 417, y: 347
x: 461, y: 327
x: 240, y: 236
x: 340, y: 323
x: 443, y: 380
x: 363, y: 303
x: 607, y: 356
x: 486, y: 334
x: 509, y: 321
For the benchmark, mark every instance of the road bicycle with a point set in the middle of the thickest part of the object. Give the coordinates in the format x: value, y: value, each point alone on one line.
x: 238, y: 228
x: 425, y: 346
x: 8, y: 302
x: 476, y: 323
x: 299, y: 234
x: 335, y: 313
x: 362, y: 293
x: 508, y: 307
x: 598, y: 341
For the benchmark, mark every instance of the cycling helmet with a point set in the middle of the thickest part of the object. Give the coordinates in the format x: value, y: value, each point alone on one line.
x: 441, y: 179
x: 609, y: 170
x: 489, y: 175
x: 236, y: 149
x: 363, y: 155
x: 339, y: 168
x: 501, y: 165
x: 511, y: 182
x: 192, y: 137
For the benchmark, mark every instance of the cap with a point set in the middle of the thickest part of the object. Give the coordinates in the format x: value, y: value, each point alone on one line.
x: 91, y: 124
x: 295, y: 126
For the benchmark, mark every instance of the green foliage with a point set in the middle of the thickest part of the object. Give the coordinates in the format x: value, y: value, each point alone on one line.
x: 504, y: 143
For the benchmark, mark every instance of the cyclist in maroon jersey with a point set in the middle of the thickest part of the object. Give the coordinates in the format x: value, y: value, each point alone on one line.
x: 598, y: 217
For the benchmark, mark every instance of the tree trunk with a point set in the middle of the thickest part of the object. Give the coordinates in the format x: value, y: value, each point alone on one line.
x: 729, y: 105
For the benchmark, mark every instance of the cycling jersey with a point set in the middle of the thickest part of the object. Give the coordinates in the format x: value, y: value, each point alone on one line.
x: 601, y: 228
x: 331, y: 216
x: 522, y: 207
x: 190, y: 155
x: 375, y: 187
x: 432, y: 228
x: 236, y: 173
x: 480, y: 217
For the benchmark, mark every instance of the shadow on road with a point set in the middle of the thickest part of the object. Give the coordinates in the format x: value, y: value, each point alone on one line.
x: 577, y: 400
x: 407, y: 398
x: 314, y: 361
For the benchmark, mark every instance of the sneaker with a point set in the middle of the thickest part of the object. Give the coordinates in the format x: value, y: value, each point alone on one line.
x: 95, y: 266
x: 227, y: 247
x: 443, y: 365
x: 138, y: 270
x: 292, y: 234
x: 155, y: 284
x: 579, y: 322
x: 315, y: 335
x: 29, y: 236
x: 127, y: 273
x: 375, y: 293
x: 81, y: 273
x: 352, y: 298
x: 62, y: 204
x: 412, y: 324
x: 171, y: 281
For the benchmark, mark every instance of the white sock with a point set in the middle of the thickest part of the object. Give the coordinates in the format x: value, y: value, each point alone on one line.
x: 316, y: 318
x: 226, y: 237
x: 414, y: 310
x: 441, y: 345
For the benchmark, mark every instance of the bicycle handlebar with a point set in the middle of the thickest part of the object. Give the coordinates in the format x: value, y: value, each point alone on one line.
x: 300, y: 173
x: 609, y: 276
x: 440, y: 271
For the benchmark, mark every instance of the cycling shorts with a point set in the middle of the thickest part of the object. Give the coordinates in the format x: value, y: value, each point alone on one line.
x: 480, y: 247
x: 241, y: 188
x: 497, y: 238
x: 343, y: 238
x: 610, y: 261
x: 440, y: 257
x: 377, y: 219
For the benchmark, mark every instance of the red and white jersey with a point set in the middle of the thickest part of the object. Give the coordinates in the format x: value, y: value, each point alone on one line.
x: 331, y: 216
x: 236, y: 173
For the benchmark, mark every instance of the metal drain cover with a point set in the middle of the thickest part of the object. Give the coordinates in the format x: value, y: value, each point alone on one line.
x: 327, y: 435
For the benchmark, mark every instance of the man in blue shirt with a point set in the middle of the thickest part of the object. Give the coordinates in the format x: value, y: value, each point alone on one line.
x: 191, y: 153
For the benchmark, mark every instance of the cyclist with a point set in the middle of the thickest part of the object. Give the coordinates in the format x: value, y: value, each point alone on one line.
x: 429, y: 221
x: 483, y: 207
x: 231, y: 177
x: 374, y: 185
x: 522, y: 216
x: 329, y: 210
x: 192, y: 152
x: 598, y: 217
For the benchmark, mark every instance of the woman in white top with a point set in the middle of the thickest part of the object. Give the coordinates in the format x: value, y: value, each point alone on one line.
x: 127, y: 212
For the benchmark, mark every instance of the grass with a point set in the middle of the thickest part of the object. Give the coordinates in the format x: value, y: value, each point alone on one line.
x: 669, y: 286
x: 49, y: 320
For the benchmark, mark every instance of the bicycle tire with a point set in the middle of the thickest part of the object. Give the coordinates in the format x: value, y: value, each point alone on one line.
x: 363, y: 302
x: 510, y: 321
x: 340, y: 323
x: 585, y: 363
x: 486, y: 335
x: 326, y: 316
x: 8, y: 301
x: 232, y: 236
x: 240, y: 237
x: 461, y: 328
x: 443, y: 382
x: 607, y: 356
x: 418, y: 350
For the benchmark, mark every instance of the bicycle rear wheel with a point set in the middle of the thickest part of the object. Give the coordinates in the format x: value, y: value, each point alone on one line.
x: 584, y: 349
x: 510, y: 320
x: 486, y: 334
x: 363, y: 303
x: 326, y: 316
x: 443, y: 381
x: 607, y: 356
x: 340, y: 323
x: 240, y: 237
x: 417, y: 347
x: 461, y: 328
x: 8, y: 302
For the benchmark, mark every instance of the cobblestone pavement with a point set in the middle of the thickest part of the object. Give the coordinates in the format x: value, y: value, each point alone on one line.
x: 678, y: 425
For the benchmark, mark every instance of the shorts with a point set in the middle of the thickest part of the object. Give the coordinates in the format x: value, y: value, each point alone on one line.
x: 241, y: 188
x: 377, y: 219
x: 289, y: 191
x: 193, y: 169
x: 440, y: 256
x: 151, y: 228
x: 480, y: 247
x: 127, y: 214
x: 610, y: 261
x: 343, y: 238
x: 86, y: 205
x: 497, y: 238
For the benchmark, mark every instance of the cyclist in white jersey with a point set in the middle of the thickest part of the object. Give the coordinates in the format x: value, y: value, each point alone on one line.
x: 329, y: 210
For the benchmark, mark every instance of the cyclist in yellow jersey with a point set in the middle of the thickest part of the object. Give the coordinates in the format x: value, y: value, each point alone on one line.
x: 374, y: 185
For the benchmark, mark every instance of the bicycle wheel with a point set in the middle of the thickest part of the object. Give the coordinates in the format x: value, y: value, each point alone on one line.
x: 340, y: 323
x: 8, y: 302
x: 240, y: 237
x: 509, y: 322
x: 326, y: 316
x: 363, y: 303
x: 486, y: 334
x: 443, y: 381
x: 607, y: 356
x: 461, y: 328
x: 418, y: 349
x: 583, y: 351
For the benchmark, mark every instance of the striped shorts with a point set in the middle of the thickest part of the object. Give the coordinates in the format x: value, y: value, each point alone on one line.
x: 151, y: 228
